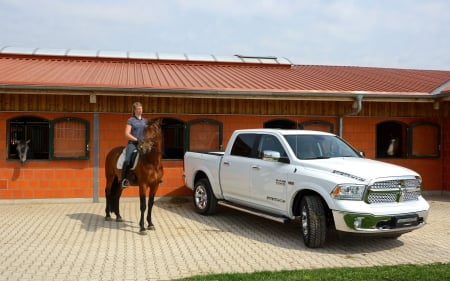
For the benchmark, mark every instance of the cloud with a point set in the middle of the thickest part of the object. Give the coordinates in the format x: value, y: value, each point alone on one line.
x: 399, y: 33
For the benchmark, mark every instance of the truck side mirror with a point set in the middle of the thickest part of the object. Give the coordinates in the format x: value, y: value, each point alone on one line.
x: 270, y: 155
x: 274, y: 156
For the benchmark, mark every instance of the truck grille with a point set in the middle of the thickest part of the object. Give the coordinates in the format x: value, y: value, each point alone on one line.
x: 394, y: 191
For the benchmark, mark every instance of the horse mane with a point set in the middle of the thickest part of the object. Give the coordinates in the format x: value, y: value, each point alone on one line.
x: 154, y: 122
x: 154, y: 126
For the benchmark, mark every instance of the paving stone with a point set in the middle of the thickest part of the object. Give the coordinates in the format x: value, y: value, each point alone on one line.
x: 72, y: 241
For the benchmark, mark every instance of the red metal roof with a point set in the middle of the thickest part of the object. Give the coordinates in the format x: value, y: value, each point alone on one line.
x: 125, y: 73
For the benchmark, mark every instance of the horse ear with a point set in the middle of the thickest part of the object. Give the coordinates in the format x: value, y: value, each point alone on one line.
x: 156, y: 122
x: 28, y: 141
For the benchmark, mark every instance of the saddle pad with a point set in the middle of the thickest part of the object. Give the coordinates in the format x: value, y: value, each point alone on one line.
x: 121, y: 159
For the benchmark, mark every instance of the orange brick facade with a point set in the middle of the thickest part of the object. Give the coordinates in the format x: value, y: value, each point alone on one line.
x: 38, y: 179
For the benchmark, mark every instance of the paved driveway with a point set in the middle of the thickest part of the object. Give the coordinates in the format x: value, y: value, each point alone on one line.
x: 71, y: 241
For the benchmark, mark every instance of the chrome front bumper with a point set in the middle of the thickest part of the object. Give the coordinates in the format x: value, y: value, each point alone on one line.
x: 379, y: 224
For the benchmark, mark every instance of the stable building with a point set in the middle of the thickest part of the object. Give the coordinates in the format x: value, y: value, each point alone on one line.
x: 73, y: 105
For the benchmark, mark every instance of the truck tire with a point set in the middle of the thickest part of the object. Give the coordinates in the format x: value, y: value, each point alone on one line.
x: 313, y: 221
x: 205, y: 202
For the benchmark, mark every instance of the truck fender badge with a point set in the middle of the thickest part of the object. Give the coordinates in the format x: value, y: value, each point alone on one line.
x: 275, y: 199
x: 348, y: 175
x: 280, y: 182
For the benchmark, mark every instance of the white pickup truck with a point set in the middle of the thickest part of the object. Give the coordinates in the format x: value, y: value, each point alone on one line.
x: 311, y: 176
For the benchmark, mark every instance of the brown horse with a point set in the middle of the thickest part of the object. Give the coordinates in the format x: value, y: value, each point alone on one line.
x: 148, y: 171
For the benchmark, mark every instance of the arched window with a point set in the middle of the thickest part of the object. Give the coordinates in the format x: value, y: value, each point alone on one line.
x: 173, y: 138
x: 280, y: 124
x: 425, y: 140
x: 391, y: 139
x: 70, y: 138
x: 317, y: 125
x: 204, y: 135
x: 31, y: 128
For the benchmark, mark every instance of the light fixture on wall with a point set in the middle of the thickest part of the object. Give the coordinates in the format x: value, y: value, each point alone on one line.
x: 436, y: 105
x: 92, y: 98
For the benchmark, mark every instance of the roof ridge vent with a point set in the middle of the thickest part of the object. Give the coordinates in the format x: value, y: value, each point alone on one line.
x: 255, y: 57
x: 263, y: 59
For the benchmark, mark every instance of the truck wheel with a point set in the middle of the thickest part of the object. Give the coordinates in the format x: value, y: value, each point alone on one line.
x: 313, y: 221
x: 204, y: 200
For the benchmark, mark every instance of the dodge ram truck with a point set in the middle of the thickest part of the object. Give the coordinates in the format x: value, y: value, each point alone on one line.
x: 313, y: 177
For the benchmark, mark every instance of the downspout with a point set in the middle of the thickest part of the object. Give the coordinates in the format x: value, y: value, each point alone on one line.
x: 96, y: 152
x: 355, y: 111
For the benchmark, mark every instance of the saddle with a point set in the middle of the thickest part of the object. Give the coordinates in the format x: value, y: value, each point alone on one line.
x: 133, y: 161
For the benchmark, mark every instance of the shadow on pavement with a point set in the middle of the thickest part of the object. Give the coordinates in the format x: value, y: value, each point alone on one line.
x: 266, y: 231
x: 92, y: 222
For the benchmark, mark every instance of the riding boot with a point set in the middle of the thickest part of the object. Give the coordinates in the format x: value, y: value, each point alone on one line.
x: 125, y: 183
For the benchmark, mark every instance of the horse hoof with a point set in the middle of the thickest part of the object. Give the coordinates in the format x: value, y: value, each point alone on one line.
x: 142, y: 231
x: 151, y: 227
x: 107, y: 218
x: 119, y: 220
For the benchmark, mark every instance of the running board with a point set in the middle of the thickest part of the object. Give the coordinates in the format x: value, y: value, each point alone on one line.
x: 253, y: 212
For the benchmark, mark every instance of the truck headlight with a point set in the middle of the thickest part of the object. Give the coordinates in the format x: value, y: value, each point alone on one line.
x: 349, y: 192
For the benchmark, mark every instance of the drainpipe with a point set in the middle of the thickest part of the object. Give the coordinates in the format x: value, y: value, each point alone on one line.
x: 355, y: 111
x: 96, y: 151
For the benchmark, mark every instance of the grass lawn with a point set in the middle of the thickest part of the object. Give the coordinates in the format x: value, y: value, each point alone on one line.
x: 431, y: 272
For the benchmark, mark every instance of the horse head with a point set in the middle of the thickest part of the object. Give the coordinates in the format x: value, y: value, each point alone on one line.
x: 151, y: 137
x: 22, y: 150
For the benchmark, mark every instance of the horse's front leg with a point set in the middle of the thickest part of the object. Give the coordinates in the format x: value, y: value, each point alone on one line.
x: 151, y: 200
x: 142, y: 206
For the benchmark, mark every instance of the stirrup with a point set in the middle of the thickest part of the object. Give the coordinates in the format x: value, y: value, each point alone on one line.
x: 125, y: 183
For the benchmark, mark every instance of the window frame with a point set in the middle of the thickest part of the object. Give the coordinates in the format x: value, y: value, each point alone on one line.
x: 190, y: 123
x: 302, y: 125
x: 287, y: 124
x: 411, y: 128
x: 52, y: 138
x: 380, y: 151
x: 177, y: 125
x: 26, y: 119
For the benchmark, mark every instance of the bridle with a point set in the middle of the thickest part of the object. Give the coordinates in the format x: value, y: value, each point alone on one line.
x: 148, y: 144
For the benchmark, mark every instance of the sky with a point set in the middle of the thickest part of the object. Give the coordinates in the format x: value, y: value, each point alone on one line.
x: 377, y: 33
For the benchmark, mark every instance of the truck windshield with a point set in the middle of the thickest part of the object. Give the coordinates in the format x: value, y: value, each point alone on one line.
x: 320, y: 147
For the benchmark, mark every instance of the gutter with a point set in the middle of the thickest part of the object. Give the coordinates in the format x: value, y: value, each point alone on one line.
x: 357, y: 109
x: 222, y: 93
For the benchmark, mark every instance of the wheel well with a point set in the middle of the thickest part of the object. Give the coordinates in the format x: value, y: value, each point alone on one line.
x: 199, y: 175
x: 303, y: 193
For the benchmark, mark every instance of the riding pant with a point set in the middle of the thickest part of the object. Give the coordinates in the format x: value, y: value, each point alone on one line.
x: 131, y: 146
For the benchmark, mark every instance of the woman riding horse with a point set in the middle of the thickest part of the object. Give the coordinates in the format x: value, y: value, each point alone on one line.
x: 148, y: 171
x: 133, y: 132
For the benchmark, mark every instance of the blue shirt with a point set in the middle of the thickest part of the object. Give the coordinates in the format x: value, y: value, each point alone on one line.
x: 137, y: 126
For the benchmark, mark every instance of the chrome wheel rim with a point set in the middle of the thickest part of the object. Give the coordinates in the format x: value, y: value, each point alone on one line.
x: 304, y: 221
x: 201, y: 199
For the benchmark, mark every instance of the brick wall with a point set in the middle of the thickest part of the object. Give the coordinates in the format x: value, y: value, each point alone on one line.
x: 75, y: 178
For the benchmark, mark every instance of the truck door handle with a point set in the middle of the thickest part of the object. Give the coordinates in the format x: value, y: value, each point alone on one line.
x: 255, y: 167
x: 226, y: 163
